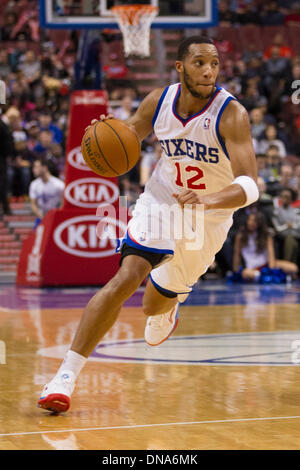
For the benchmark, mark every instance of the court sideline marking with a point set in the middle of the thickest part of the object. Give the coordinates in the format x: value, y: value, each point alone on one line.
x: 135, y: 426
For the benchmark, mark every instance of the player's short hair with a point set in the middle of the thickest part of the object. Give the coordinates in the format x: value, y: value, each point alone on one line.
x: 183, y: 48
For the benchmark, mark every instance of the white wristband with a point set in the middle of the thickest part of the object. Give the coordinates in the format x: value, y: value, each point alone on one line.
x: 250, y: 187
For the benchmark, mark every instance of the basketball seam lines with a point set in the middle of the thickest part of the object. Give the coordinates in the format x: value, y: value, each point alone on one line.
x: 120, y: 142
x: 95, y: 135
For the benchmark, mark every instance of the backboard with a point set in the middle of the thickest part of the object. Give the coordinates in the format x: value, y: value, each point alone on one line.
x: 175, y: 14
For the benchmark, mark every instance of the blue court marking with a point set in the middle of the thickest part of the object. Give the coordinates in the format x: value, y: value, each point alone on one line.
x: 218, y: 360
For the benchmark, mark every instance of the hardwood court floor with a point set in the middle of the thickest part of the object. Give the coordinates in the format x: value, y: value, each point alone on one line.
x: 227, y: 379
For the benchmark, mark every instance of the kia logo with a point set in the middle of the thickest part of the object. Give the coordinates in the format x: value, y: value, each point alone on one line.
x: 78, y: 236
x: 90, y: 192
x: 75, y: 158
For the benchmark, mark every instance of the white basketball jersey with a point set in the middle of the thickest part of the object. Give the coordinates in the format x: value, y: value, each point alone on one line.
x: 194, y: 155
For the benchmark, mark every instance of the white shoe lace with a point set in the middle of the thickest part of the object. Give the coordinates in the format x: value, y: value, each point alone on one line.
x: 157, y: 321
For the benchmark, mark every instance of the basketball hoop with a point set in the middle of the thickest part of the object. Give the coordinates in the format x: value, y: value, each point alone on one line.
x: 135, y: 22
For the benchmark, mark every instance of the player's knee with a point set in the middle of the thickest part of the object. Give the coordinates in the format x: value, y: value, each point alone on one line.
x: 127, y: 282
x: 127, y: 285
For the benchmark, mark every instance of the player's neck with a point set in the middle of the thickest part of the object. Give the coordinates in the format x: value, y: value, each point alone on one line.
x: 188, y: 105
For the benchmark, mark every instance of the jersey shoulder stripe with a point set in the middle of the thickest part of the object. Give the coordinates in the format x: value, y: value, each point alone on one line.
x: 159, y: 105
x: 221, y: 141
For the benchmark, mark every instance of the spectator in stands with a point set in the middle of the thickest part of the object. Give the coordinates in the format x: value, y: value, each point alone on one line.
x: 33, y: 131
x: 252, y: 98
x: 149, y: 161
x: 254, y: 70
x: 12, y: 118
x: 116, y: 76
x: 44, y: 143
x: 286, y: 221
x: 46, y: 191
x: 17, y: 54
x: 265, y: 202
x: 285, y: 5
x: 284, y: 180
x: 22, y: 164
x: 125, y: 110
x: 286, y: 176
x: 296, y: 203
x: 274, y: 160
x: 20, y: 95
x: 272, y: 139
x: 31, y: 68
x: 8, y: 26
x: 226, y: 16
x: 251, y: 53
x: 49, y: 150
x: 246, y: 14
x: 130, y: 190
x: 276, y: 70
x: 294, y: 75
x: 223, y: 45
x: 258, y: 124
x: 46, y: 124
x: 263, y: 169
x: 5, y: 67
x: 294, y: 15
x: 254, y: 246
x: 284, y: 49
x: 270, y: 15
x: 6, y: 150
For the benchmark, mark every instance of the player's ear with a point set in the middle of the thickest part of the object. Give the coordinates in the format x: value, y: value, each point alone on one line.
x: 179, y: 66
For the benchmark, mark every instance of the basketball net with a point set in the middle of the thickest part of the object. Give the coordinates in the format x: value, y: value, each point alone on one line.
x: 135, y: 22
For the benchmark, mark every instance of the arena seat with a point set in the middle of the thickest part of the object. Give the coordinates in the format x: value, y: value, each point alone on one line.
x: 269, y: 32
x: 250, y: 34
x: 293, y: 33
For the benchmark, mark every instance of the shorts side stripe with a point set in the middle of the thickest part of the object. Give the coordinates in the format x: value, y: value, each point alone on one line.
x: 163, y: 289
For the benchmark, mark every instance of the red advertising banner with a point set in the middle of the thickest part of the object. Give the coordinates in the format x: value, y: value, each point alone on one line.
x: 66, y: 248
x: 84, y: 189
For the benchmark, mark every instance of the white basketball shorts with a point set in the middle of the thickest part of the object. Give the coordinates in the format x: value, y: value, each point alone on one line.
x: 185, y: 262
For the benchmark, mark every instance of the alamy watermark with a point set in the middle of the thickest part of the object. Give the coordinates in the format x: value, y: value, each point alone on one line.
x: 156, y: 222
x: 2, y: 352
x: 296, y: 94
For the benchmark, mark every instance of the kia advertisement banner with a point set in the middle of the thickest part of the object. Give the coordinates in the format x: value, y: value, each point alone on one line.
x: 84, y: 189
x: 68, y: 248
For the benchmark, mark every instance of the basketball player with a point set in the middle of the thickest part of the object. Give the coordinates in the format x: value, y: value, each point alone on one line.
x: 208, y: 160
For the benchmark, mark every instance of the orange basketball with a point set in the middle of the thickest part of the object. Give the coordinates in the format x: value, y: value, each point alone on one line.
x: 110, y: 148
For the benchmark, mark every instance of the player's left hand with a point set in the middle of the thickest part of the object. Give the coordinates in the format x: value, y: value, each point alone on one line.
x: 188, y: 197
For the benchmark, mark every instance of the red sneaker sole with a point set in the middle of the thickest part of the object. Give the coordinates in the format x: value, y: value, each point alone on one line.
x: 55, y: 402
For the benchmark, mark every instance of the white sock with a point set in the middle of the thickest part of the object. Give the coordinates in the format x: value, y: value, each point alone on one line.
x: 74, y: 362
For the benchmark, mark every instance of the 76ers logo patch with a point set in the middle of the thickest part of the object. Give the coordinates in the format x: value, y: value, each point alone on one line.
x: 206, y: 123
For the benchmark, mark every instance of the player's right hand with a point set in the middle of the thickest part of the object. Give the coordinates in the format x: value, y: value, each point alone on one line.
x: 102, y: 117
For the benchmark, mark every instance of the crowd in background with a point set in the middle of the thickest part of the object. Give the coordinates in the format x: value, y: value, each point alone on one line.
x: 40, y: 76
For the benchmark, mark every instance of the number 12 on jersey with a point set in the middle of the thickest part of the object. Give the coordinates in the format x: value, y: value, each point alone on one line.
x: 192, y: 176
